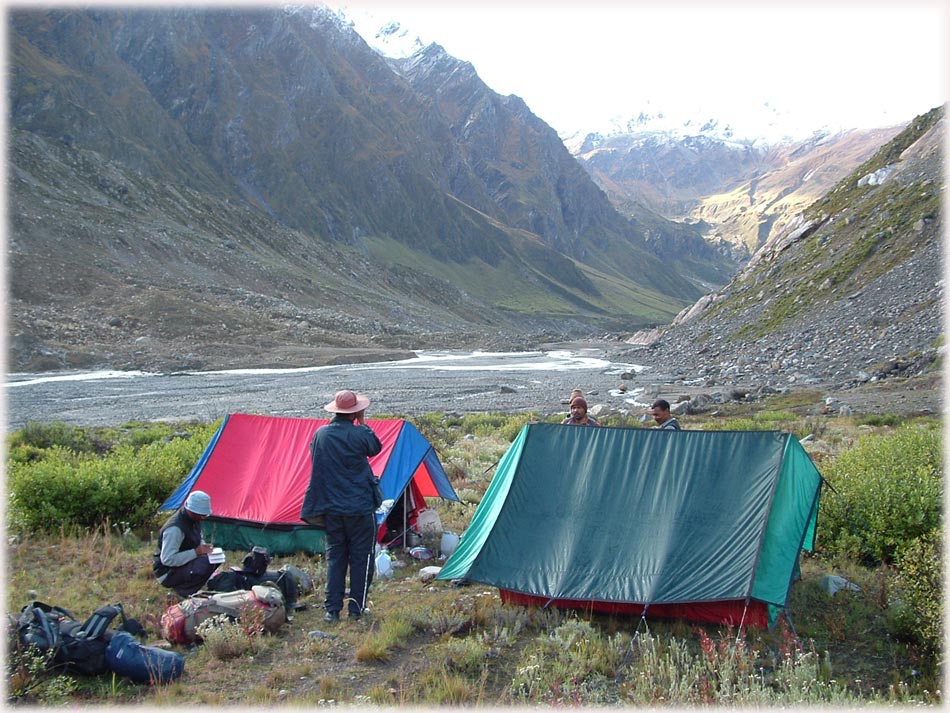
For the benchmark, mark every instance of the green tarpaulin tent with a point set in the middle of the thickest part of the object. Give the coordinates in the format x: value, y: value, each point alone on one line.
x: 706, y: 525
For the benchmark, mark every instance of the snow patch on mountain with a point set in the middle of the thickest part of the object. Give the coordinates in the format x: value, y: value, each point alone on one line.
x: 389, y: 37
x: 763, y: 126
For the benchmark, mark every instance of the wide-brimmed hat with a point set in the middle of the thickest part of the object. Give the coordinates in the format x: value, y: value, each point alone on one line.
x: 198, y: 502
x: 347, y: 401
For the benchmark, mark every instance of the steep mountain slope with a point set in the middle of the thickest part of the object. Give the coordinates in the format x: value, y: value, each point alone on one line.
x: 188, y: 183
x: 737, y: 193
x: 537, y: 186
x: 850, y: 293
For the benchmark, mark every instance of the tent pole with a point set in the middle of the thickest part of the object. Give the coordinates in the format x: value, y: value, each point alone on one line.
x: 405, y: 518
x: 742, y: 620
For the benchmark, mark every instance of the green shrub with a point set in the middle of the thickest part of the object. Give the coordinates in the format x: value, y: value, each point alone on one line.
x: 917, y: 591
x: 46, y: 435
x: 60, y: 487
x: 878, y: 419
x: 886, y: 492
x: 740, y: 424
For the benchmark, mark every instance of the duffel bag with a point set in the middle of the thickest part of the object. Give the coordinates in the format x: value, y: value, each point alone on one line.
x: 142, y: 664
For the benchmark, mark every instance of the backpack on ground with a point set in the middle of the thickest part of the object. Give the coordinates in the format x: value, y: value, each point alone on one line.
x: 78, y: 647
x: 304, y: 579
x: 265, y: 596
x: 237, y: 579
x: 38, y: 625
x: 142, y: 664
x: 228, y: 581
x: 284, y: 580
x: 84, y: 645
x: 256, y: 561
x: 180, y: 621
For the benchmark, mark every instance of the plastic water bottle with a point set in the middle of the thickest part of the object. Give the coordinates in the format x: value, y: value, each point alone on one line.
x: 449, y: 542
x: 384, y: 565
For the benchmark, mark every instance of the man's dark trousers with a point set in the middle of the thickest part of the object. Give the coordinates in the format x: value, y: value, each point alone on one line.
x: 190, y: 577
x: 351, y: 540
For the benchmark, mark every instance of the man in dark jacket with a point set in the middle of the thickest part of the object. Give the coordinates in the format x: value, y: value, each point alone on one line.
x: 341, y: 497
x: 181, y: 561
x: 660, y: 410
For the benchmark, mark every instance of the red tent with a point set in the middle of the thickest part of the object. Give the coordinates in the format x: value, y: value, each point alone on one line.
x: 256, y: 470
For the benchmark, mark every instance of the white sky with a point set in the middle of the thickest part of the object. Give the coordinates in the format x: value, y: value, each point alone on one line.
x: 839, y: 63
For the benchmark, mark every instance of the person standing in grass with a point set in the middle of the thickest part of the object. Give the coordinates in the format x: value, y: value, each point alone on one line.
x: 181, y: 561
x: 342, y: 497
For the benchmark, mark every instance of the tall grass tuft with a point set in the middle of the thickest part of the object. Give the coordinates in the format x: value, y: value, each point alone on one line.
x: 225, y: 639
x: 385, y: 636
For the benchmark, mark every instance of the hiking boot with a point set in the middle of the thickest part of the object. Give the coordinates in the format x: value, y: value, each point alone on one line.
x: 354, y: 616
x: 331, y: 616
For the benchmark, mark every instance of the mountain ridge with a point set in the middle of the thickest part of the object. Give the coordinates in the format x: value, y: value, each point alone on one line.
x: 737, y: 194
x: 376, y: 207
x: 849, y: 294
x: 262, y: 147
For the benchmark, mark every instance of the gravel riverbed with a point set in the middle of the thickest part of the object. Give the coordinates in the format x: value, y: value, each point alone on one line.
x: 460, y: 382
x: 450, y: 382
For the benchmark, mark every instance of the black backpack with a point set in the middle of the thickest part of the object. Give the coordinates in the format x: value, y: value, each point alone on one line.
x: 39, y: 626
x: 235, y: 579
x: 255, y: 562
x: 78, y: 647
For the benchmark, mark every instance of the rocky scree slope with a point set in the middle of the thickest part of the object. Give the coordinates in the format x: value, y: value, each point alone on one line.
x: 849, y: 295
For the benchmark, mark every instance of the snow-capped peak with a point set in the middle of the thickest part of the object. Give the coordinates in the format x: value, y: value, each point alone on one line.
x: 388, y: 37
x: 763, y: 126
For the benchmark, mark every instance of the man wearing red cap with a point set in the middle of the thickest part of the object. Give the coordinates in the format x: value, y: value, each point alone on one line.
x: 579, y: 415
x: 341, y: 498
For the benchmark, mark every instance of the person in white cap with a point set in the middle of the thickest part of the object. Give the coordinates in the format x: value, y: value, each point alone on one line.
x: 181, y: 560
x: 342, y: 498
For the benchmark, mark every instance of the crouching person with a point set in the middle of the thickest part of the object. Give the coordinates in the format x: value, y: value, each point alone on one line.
x: 181, y: 562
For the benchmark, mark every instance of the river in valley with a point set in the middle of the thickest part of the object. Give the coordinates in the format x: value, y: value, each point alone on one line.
x: 432, y: 381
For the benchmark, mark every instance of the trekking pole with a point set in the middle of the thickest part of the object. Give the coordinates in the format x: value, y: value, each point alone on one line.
x: 369, y: 558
